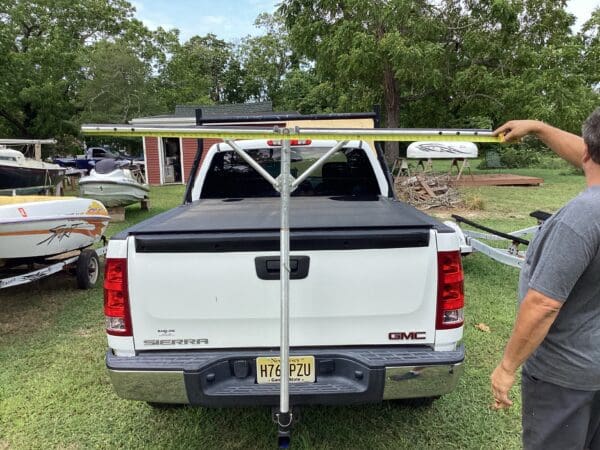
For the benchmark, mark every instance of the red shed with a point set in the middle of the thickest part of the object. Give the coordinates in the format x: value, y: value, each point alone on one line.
x: 169, y: 160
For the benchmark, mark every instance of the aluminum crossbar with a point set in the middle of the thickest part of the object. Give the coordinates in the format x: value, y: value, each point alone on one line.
x: 337, y: 134
x: 26, y: 141
x: 252, y: 163
x: 336, y: 148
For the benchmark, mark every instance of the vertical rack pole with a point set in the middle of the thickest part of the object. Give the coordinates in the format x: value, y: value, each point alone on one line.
x: 285, y: 183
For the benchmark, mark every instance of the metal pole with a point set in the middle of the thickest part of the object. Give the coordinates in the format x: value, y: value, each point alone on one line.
x: 256, y: 166
x: 37, y: 151
x: 284, y: 274
x: 351, y: 134
x: 298, y: 181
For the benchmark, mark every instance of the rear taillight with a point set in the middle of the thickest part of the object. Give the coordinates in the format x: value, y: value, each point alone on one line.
x: 451, y: 296
x: 116, y: 298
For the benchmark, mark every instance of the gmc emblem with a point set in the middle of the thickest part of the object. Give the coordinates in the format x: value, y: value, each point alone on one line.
x: 407, y: 336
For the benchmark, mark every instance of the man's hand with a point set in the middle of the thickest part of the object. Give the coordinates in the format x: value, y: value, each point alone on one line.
x: 514, y: 130
x: 502, y: 381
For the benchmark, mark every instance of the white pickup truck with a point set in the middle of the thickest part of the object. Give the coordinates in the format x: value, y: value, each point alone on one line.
x: 376, y: 291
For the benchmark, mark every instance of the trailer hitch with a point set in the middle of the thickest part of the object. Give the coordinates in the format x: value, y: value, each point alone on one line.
x: 284, y: 422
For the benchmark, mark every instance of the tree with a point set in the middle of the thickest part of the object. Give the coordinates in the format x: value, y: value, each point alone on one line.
x: 65, y: 61
x: 590, y: 34
x: 383, y: 51
x: 41, y: 41
x: 464, y: 63
x: 263, y: 61
x: 196, y: 71
x: 118, y: 85
x: 516, y: 59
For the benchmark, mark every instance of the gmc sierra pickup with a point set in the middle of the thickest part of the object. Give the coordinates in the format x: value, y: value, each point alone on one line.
x: 376, y: 292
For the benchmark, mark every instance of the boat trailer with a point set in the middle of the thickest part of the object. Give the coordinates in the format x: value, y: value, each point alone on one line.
x: 472, y: 241
x: 84, y: 264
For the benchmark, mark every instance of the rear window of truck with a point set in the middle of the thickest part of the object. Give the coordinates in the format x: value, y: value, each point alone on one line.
x: 347, y: 173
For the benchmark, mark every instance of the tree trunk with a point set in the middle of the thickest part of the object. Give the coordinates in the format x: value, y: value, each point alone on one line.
x: 391, y: 102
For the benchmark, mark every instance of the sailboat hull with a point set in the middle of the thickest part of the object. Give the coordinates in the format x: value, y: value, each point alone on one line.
x: 14, y: 177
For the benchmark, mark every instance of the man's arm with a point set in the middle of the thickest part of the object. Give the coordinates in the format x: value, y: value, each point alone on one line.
x: 566, y: 145
x: 536, y: 314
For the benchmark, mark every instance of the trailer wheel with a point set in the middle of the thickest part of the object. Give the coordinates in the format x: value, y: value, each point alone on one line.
x: 87, y: 269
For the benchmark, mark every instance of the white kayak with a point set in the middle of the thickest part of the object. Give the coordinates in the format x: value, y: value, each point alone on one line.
x: 113, y: 185
x: 39, y: 226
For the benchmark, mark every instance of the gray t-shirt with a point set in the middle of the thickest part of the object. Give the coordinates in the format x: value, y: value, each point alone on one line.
x: 563, y: 262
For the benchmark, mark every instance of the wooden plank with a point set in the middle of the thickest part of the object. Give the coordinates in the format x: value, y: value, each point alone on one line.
x: 117, y: 214
x: 497, y: 179
x: 427, y: 189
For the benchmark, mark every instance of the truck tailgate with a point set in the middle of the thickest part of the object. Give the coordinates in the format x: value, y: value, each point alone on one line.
x: 217, y: 290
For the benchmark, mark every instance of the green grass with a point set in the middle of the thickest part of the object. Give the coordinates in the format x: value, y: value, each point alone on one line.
x: 54, y: 391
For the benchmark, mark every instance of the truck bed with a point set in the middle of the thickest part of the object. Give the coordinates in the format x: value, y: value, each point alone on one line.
x: 306, y: 213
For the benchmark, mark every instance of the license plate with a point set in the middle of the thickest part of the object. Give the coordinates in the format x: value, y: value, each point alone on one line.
x: 302, y: 369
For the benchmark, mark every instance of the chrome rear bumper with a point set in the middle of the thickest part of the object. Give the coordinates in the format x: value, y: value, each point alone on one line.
x: 344, y: 376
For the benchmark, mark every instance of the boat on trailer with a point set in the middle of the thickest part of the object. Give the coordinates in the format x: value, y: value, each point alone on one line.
x: 38, y: 227
x: 18, y: 172
x: 115, y: 183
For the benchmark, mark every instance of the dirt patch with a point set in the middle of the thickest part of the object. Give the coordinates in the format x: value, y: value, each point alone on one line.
x: 83, y: 332
x: 446, y: 214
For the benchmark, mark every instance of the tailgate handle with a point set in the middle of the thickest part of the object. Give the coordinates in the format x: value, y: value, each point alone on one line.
x: 267, y: 267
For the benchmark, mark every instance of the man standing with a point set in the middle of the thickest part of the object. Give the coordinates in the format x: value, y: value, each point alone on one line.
x: 557, y: 330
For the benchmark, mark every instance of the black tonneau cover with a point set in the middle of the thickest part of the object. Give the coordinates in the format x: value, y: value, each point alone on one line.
x: 316, y: 223
x: 306, y: 213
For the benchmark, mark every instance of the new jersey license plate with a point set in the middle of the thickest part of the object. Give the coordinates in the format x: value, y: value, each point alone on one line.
x: 302, y: 369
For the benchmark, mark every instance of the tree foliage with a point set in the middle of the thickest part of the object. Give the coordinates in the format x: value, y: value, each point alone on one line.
x: 387, y: 51
x: 117, y: 84
x: 264, y: 60
x: 196, y: 71
x: 40, y: 43
x: 64, y: 60
x: 454, y: 62
x: 429, y: 63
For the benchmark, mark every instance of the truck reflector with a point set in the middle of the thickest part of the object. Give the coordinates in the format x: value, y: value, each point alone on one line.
x: 116, y: 298
x: 451, y: 296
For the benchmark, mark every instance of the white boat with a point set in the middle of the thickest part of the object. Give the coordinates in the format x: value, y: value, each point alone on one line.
x: 19, y: 172
x: 114, y: 183
x: 441, y: 150
x: 40, y: 226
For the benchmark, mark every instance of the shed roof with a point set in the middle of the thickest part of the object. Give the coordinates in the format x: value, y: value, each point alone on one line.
x: 186, y: 114
x: 236, y: 109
